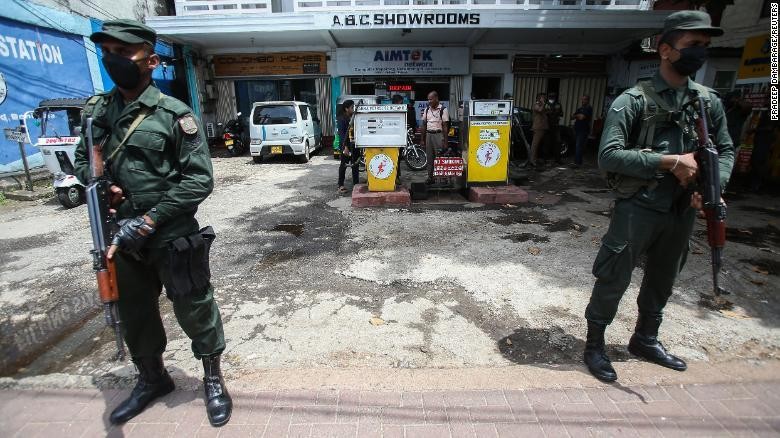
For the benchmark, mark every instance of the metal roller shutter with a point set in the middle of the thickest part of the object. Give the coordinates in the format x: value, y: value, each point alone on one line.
x: 526, y: 89
x: 226, y: 100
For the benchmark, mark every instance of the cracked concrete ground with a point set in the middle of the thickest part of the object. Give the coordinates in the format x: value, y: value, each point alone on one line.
x: 299, y: 275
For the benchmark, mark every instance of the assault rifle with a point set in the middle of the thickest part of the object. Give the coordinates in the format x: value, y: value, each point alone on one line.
x: 709, y: 187
x: 101, y: 223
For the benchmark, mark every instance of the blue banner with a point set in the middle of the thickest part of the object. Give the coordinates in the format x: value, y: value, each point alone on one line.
x: 36, y: 63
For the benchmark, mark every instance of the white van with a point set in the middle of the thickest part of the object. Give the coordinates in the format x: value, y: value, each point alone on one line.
x: 283, y: 127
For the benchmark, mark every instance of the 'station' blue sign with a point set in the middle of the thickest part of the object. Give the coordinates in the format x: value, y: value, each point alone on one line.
x: 36, y: 63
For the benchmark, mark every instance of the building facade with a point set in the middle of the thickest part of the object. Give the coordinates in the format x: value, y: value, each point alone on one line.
x: 252, y: 50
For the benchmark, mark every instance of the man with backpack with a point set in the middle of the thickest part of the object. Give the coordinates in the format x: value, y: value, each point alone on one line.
x: 647, y: 149
x: 435, y: 126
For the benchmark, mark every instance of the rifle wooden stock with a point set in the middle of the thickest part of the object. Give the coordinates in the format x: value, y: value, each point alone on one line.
x: 106, y: 280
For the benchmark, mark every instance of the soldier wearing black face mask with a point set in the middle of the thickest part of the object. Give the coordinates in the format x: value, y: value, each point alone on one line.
x: 160, y: 168
x: 647, y: 152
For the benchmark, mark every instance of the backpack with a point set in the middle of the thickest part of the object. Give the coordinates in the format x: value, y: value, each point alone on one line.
x: 441, y: 111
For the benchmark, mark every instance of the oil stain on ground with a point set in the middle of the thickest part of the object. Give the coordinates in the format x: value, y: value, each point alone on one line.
x: 536, y: 218
x: 549, y: 346
x: 294, y: 229
x: 767, y: 210
x: 753, y: 236
x: 771, y: 267
x: 525, y: 237
x: 278, y: 257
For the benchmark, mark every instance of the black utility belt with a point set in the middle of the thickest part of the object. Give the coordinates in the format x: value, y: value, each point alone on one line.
x: 434, y: 132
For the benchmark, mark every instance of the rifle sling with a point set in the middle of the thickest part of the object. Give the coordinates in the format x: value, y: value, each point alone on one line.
x: 145, y: 111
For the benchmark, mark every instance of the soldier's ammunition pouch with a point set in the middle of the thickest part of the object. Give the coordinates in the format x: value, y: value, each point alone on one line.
x: 625, y: 186
x: 186, y: 271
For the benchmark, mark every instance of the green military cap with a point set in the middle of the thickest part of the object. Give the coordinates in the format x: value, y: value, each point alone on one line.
x: 691, y: 20
x: 127, y: 31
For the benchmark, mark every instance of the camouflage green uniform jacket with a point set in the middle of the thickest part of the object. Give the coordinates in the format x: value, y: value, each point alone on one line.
x: 164, y: 167
x: 636, y: 165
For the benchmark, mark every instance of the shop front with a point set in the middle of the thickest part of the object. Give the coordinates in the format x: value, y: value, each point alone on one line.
x: 242, y: 79
x: 411, y: 72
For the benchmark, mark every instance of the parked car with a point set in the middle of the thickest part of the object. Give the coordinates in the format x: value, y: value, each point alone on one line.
x: 283, y: 128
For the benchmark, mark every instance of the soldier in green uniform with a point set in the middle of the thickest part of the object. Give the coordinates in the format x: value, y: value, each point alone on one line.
x: 647, y: 151
x: 157, y: 158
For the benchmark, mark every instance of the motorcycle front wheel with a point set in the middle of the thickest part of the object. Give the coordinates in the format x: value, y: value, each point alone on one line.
x: 416, y: 158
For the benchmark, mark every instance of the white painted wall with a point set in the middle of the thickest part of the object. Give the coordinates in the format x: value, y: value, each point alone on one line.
x: 740, y: 21
x: 107, y: 9
x: 492, y: 67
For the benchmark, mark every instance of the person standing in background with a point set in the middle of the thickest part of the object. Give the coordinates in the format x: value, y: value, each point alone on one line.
x: 539, y: 128
x: 349, y: 155
x: 435, y: 125
x: 582, y: 118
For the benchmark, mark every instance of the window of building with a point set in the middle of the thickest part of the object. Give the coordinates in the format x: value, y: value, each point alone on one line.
x: 724, y: 81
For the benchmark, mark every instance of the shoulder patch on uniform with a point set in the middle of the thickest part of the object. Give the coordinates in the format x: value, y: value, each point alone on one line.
x: 617, y: 110
x: 188, y: 124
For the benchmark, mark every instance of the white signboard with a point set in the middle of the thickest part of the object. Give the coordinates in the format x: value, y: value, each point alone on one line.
x: 14, y: 135
x: 400, y: 61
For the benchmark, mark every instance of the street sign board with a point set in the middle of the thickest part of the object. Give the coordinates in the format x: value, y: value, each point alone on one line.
x: 15, y: 135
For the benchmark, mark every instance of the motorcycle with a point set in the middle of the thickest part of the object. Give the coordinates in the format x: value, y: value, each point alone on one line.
x: 413, y: 153
x: 233, y: 134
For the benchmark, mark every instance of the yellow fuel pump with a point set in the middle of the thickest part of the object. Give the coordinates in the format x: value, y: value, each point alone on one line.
x: 380, y: 130
x: 486, y: 140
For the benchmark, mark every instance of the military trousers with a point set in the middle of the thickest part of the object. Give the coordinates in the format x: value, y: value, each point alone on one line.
x: 140, y: 285
x: 633, y: 232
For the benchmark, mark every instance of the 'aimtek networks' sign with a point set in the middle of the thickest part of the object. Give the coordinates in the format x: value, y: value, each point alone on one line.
x: 398, y: 61
x: 407, y: 19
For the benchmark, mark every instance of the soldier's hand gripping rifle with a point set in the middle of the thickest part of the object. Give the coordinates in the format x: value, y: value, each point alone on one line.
x: 101, y: 222
x: 709, y: 187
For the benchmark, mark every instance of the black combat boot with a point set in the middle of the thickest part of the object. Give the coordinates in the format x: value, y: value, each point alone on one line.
x: 595, y: 356
x: 219, y: 405
x: 153, y: 381
x: 644, y: 343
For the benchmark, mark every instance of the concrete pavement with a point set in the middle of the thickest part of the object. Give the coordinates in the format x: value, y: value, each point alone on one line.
x: 680, y: 410
x: 738, y: 399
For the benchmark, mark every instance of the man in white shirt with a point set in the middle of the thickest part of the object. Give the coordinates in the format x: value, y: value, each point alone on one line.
x: 435, y: 126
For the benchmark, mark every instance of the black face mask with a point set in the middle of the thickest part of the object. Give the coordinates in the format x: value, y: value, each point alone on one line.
x: 124, y: 72
x: 691, y: 59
